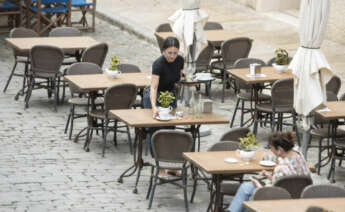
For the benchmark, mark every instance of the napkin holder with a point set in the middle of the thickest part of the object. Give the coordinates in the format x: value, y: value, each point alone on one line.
x: 207, y: 105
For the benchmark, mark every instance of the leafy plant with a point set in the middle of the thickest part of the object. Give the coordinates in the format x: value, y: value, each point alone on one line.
x: 114, y: 63
x: 282, y: 57
x: 249, y: 142
x: 165, y: 98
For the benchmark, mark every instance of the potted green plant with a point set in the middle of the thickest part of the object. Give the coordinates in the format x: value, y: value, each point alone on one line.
x: 248, y: 146
x: 112, y: 70
x: 281, y: 60
x: 165, y: 99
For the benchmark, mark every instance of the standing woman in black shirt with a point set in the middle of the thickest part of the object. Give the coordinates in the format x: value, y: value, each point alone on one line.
x: 166, y: 71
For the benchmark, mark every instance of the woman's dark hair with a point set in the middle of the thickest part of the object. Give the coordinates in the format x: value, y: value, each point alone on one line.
x: 171, y: 42
x: 285, y: 140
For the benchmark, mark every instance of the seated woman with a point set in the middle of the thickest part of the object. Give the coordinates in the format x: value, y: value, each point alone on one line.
x: 290, y: 162
x: 166, y: 71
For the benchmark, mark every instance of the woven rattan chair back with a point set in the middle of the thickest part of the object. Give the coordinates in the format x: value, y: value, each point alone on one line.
x: 271, y: 193
x: 128, y: 68
x: 224, y: 146
x: 211, y: 25
x: 168, y: 145
x: 315, y: 209
x: 334, y: 85
x: 46, y: 59
x: 80, y: 69
x: 245, y: 63
x: 204, y: 58
x: 120, y: 96
x: 294, y: 184
x: 234, y: 49
x: 165, y: 27
x: 323, y: 191
x: 95, y: 54
x: 65, y: 32
x: 235, y: 134
x: 282, y: 93
x: 22, y: 33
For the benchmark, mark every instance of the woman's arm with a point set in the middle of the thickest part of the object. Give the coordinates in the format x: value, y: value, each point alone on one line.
x: 153, y: 94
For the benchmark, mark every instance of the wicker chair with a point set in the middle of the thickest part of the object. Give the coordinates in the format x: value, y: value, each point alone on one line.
x: 232, y: 50
x: 45, y: 65
x: 78, y: 98
x: 235, y: 134
x: 120, y: 96
x: 294, y: 184
x: 165, y: 27
x: 130, y: 68
x: 95, y: 54
x: 168, y: 146
x: 246, y: 96
x: 210, y: 25
x: 323, y: 191
x: 281, y: 103
x: 338, y: 153
x: 270, y: 193
x: 20, y: 56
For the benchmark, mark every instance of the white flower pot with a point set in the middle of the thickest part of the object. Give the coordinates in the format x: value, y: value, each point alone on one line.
x: 112, y: 73
x: 247, y: 155
x: 279, y: 68
x: 164, y: 112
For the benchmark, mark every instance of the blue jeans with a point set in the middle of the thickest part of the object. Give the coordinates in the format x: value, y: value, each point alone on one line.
x: 243, y: 193
x: 147, y: 104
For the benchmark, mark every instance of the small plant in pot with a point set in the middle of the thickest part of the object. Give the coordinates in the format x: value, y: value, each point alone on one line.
x: 281, y: 60
x: 165, y: 99
x: 112, y: 70
x: 248, y: 146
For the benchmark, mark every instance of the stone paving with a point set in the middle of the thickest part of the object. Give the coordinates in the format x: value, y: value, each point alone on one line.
x: 41, y: 170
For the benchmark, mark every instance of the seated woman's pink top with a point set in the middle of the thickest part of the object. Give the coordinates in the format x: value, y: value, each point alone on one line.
x: 290, y: 166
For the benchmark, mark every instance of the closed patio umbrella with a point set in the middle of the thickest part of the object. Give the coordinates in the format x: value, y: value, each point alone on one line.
x: 187, y: 24
x: 309, y: 66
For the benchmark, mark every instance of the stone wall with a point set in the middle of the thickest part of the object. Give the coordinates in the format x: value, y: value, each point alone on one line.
x: 336, y: 22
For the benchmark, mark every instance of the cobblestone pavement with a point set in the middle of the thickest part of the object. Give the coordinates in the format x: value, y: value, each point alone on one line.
x: 41, y: 170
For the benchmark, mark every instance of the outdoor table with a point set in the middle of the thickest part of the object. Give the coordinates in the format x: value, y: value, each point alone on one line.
x: 216, y: 37
x: 336, y: 112
x: 268, y: 75
x: 91, y: 83
x: 64, y: 43
x: 213, y: 163
x: 192, y: 83
x: 141, y: 119
x: 296, y: 205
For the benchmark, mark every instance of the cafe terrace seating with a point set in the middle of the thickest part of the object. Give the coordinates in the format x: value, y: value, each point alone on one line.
x: 20, y: 56
x: 271, y: 193
x: 80, y: 99
x: 323, y: 191
x: 117, y: 97
x: 294, y: 184
x: 13, y: 13
x: 85, y: 7
x: 167, y: 147
x: 246, y: 95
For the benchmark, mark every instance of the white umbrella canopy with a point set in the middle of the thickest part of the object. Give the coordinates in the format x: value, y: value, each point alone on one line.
x: 309, y: 65
x: 186, y: 23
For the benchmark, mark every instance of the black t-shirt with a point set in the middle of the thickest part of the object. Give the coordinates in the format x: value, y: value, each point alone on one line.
x: 169, y: 73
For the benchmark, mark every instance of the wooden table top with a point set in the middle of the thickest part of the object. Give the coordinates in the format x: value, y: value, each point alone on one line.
x: 143, y: 118
x: 65, y: 43
x: 271, y: 75
x: 93, y: 82
x: 337, y: 110
x: 296, y: 205
x: 213, y: 162
x: 211, y: 35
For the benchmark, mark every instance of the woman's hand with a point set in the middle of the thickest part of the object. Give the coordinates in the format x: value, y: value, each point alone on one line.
x: 154, y: 112
x: 256, y: 183
x: 266, y: 174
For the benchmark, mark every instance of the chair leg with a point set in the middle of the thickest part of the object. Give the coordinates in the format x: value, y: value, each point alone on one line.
x: 68, y: 120
x: 242, y: 113
x: 195, y: 183
x: 28, y: 94
x: 115, y: 133
x: 223, y: 89
x: 105, y: 135
x: 319, y: 157
x: 154, y: 187
x: 296, y: 128
x: 87, y: 140
x: 184, y: 182
x: 10, y: 77
x: 56, y: 93
x: 255, y: 126
x: 234, y: 115
x: 72, y: 121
